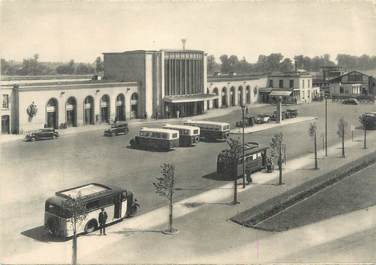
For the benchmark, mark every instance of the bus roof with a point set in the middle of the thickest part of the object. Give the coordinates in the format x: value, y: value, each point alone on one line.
x: 208, y: 122
x: 161, y: 130
x: 87, y: 190
x: 180, y: 126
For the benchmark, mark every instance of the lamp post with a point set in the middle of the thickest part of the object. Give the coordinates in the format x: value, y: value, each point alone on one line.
x: 243, y: 157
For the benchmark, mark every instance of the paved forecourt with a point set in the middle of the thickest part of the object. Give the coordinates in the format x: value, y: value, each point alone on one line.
x: 134, y: 240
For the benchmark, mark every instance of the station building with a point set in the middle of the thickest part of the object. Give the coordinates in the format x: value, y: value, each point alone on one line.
x: 352, y: 84
x: 136, y: 84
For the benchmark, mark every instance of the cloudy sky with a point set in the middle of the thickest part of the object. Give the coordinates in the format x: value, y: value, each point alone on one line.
x: 82, y: 30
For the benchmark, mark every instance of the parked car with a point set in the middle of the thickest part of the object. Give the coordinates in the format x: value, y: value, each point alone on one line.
x: 273, y: 117
x: 249, y: 121
x: 350, y: 101
x: 262, y: 118
x: 41, y: 134
x: 117, y: 128
x: 291, y: 113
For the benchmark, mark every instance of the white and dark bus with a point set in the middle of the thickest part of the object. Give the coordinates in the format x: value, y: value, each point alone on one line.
x: 118, y: 203
x: 210, y: 130
x: 188, y: 135
x: 156, y: 139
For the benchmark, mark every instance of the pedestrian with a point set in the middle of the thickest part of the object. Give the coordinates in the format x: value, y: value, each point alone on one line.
x: 102, y: 218
x: 248, y: 177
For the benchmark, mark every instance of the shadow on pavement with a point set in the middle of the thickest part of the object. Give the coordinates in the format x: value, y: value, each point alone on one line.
x: 214, y: 176
x: 41, y: 234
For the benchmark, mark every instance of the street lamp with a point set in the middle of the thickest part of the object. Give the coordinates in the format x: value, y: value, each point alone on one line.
x: 326, y: 125
x: 243, y: 158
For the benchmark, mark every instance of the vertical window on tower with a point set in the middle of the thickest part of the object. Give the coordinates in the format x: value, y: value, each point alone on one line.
x: 281, y: 83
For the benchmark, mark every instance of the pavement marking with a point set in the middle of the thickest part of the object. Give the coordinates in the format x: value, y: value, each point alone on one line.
x: 266, y: 126
x: 61, y: 251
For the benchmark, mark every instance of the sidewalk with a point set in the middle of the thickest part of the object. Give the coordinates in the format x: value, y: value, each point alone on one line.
x: 213, y: 113
x: 206, y: 234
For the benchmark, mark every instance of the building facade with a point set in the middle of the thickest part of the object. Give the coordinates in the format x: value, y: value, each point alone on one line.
x: 172, y: 82
x: 234, y: 90
x: 298, y: 84
x: 71, y: 104
x: 352, y: 84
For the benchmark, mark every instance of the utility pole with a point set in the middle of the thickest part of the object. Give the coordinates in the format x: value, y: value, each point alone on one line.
x: 326, y: 125
x: 280, y: 163
x: 243, y: 159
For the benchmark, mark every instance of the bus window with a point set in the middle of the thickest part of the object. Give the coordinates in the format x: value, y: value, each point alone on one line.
x: 106, y: 201
x: 92, y: 205
x: 174, y: 135
x: 195, y: 132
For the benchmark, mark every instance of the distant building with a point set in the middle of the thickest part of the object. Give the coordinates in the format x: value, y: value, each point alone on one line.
x: 327, y: 72
x: 352, y: 84
x: 297, y: 84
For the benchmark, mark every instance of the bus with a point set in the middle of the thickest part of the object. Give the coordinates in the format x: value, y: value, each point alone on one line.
x: 370, y: 120
x: 156, y: 139
x: 254, y: 157
x: 210, y: 130
x: 118, y: 203
x: 188, y: 135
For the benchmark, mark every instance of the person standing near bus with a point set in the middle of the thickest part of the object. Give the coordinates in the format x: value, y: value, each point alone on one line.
x: 102, y: 218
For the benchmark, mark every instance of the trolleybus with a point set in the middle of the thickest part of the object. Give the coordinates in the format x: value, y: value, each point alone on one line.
x: 118, y: 203
x: 210, y: 130
x: 369, y: 118
x: 156, y: 139
x: 188, y: 135
x: 254, y: 158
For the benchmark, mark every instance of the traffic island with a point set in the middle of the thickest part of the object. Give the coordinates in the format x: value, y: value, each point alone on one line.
x: 270, y: 125
x: 260, y: 213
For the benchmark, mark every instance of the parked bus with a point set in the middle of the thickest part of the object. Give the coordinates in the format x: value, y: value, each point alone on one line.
x: 370, y: 119
x: 188, y: 135
x: 118, y: 203
x: 156, y: 139
x: 210, y: 130
x: 255, y: 160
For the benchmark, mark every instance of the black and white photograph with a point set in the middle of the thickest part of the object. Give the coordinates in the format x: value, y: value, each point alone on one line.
x: 187, y: 132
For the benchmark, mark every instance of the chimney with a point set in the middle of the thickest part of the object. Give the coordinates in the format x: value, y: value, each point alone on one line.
x: 183, y: 41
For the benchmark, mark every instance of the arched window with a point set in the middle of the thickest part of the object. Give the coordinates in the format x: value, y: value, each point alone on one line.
x: 52, y: 112
x: 105, y: 108
x: 89, y: 110
x: 120, y: 108
x: 71, y: 112
x: 134, y: 105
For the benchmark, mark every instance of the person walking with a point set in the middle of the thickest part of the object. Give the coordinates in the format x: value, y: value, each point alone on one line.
x: 102, y: 218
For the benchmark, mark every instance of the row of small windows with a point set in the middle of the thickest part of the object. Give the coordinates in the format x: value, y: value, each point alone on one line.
x: 291, y: 83
x: 183, y: 56
x: 5, y: 104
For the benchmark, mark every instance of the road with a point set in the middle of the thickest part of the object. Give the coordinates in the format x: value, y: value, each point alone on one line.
x: 31, y: 172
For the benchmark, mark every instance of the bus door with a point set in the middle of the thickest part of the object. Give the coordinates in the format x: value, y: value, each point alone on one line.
x: 117, y: 209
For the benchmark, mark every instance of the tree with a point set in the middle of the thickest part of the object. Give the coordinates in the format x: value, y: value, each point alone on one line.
x: 225, y: 66
x: 212, y: 65
x: 341, y: 132
x: 165, y: 188
x: 99, y: 67
x: 77, y: 212
x: 363, y: 121
x: 286, y: 65
x: 276, y: 147
x: 232, y: 156
x: 312, y: 131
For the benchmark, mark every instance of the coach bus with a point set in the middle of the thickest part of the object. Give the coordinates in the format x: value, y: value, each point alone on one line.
x: 118, y: 203
x: 156, y: 139
x: 188, y: 135
x: 210, y: 130
x: 254, y: 156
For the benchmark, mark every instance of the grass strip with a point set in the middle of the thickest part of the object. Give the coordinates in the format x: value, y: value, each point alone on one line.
x: 273, y: 206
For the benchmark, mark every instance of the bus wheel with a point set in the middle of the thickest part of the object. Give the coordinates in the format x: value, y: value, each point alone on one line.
x: 91, y: 226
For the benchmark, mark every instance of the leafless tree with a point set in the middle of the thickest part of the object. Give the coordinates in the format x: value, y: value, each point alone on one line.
x: 312, y: 131
x: 341, y: 132
x: 77, y: 213
x: 165, y: 187
x: 363, y: 121
x: 233, y: 155
x: 276, y: 147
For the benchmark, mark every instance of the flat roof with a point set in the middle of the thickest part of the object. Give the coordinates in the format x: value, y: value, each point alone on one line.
x: 148, y: 129
x: 86, y: 190
x: 180, y: 126
x: 207, y: 122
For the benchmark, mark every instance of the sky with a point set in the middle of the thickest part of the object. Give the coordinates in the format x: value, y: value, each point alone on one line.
x: 82, y: 30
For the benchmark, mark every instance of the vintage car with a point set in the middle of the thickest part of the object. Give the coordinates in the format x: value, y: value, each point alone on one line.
x: 262, y: 118
x: 249, y: 121
x: 41, y: 134
x: 291, y: 113
x: 350, y: 101
x: 273, y: 117
x: 116, y: 129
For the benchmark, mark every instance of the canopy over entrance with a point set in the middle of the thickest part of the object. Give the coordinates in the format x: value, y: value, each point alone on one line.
x: 189, y: 98
x: 280, y: 93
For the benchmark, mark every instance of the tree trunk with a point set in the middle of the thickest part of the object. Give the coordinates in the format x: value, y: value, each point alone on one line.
x: 280, y: 164
x: 315, y: 143
x: 365, y: 138
x: 343, y: 143
x: 74, y: 244
x: 170, y: 216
